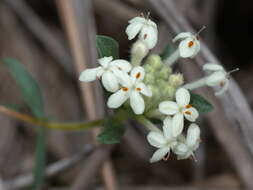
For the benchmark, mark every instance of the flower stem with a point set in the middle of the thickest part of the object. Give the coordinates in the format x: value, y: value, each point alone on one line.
x: 154, y: 114
x: 171, y: 60
x: 196, y: 84
x: 52, y: 125
x: 148, y: 124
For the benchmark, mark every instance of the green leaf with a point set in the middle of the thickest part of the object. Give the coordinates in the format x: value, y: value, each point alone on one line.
x: 32, y: 96
x: 112, y: 132
x: 200, y: 103
x: 167, y: 52
x: 27, y: 85
x: 107, y: 47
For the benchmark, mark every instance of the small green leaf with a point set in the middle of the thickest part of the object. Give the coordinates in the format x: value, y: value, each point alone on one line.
x: 111, y: 133
x: 167, y: 52
x: 200, y: 103
x: 32, y: 96
x: 107, y: 47
x: 27, y: 85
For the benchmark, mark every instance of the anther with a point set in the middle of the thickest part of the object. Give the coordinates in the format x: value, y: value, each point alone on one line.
x: 190, y: 44
x: 125, y: 89
x: 138, y: 89
x: 188, y: 112
x: 188, y: 106
x: 138, y: 75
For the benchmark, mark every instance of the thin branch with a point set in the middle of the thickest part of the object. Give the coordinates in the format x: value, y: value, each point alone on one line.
x: 51, y: 125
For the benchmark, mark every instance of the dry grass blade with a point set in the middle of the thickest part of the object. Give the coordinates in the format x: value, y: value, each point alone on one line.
x: 77, y: 32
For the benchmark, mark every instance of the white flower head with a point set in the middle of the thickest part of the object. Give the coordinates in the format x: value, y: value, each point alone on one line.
x: 186, y: 148
x: 179, y: 110
x: 109, y: 70
x: 189, y: 45
x: 164, y: 141
x: 132, y: 88
x: 146, y: 28
x: 219, y: 77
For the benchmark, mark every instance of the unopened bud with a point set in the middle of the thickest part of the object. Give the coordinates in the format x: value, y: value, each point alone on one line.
x: 176, y: 80
x: 154, y: 61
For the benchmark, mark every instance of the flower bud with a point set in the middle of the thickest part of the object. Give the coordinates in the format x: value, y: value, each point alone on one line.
x: 169, y: 92
x: 176, y: 80
x: 164, y: 72
x: 149, y: 78
x: 154, y: 61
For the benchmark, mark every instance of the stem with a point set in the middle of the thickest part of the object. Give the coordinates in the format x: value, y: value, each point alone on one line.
x: 171, y: 60
x: 148, y: 124
x: 196, y: 84
x: 154, y: 114
x: 51, y: 125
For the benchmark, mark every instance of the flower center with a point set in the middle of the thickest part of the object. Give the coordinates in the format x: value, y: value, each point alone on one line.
x: 145, y: 36
x: 190, y: 44
x: 125, y: 89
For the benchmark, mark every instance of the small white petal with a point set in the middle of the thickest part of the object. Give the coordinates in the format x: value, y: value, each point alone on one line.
x: 89, y: 75
x: 177, y: 124
x: 185, y: 50
x: 122, y: 65
x: 149, y: 34
x: 137, y: 102
x: 138, y: 73
x: 167, y: 128
x: 168, y: 107
x: 183, y: 97
x: 133, y: 29
x: 124, y: 79
x: 137, y: 19
x: 117, y: 99
x: 151, y: 23
x: 223, y: 89
x: 159, y: 154
x: 144, y: 89
x: 181, y: 149
x: 182, y: 36
x: 105, y: 61
x: 156, y: 139
x: 110, y: 82
x: 191, y: 114
x: 216, y: 78
x: 193, y: 135
x: 212, y: 67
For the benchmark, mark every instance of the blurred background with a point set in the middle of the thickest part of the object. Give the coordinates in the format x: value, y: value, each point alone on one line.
x: 55, y: 40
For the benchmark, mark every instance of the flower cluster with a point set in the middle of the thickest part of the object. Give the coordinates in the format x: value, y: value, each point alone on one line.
x: 151, y: 89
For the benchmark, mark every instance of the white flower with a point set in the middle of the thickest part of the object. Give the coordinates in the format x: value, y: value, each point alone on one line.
x: 132, y: 88
x: 179, y: 109
x: 164, y: 141
x: 109, y: 70
x: 189, y: 45
x: 219, y: 77
x: 147, y: 29
x: 186, y: 148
